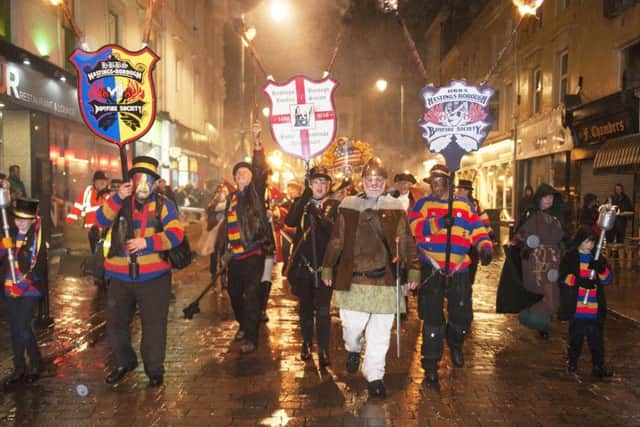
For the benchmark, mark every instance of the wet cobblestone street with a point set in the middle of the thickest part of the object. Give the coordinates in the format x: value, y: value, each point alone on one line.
x: 511, y: 377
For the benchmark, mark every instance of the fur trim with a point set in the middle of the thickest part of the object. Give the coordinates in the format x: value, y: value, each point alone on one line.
x: 357, y: 203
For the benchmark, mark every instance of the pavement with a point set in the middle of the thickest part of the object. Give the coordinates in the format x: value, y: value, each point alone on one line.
x: 511, y: 376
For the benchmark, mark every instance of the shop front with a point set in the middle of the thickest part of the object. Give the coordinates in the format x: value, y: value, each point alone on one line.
x: 543, y: 155
x: 607, y: 146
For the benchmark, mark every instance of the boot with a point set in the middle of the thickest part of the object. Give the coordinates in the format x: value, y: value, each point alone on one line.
x: 305, y: 352
x: 248, y: 347
x: 377, y: 390
x: 16, y: 376
x: 323, y: 358
x: 353, y: 362
x: 430, y: 372
x: 601, y: 371
x: 572, y: 366
x: 265, y: 291
x: 455, y: 338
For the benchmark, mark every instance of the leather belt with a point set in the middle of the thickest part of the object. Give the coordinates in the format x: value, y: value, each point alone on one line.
x: 371, y: 274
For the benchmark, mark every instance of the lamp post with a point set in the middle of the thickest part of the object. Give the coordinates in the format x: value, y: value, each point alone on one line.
x: 381, y: 86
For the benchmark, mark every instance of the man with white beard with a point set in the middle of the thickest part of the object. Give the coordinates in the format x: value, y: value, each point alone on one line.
x: 370, y: 229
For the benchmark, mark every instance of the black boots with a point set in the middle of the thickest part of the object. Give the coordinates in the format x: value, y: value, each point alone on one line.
x: 601, y: 371
x: 118, y: 374
x: 305, y: 352
x: 353, y: 362
x: 15, y: 377
x: 377, y: 390
x: 265, y: 291
x: 323, y: 358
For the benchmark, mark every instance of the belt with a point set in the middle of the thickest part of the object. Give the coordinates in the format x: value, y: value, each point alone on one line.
x: 371, y: 274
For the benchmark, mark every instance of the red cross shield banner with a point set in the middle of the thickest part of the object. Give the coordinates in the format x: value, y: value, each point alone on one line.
x: 303, y: 115
x: 116, y: 92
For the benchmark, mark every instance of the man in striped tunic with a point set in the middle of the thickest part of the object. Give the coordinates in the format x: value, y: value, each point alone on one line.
x: 156, y: 229
x: 429, y: 220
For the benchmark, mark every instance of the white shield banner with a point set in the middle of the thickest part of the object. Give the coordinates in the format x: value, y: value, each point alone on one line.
x: 303, y: 115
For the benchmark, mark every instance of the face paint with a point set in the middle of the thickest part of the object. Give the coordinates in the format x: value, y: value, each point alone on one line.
x: 142, y: 184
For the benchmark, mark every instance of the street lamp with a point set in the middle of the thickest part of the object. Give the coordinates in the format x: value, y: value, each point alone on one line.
x: 381, y: 85
x: 279, y: 11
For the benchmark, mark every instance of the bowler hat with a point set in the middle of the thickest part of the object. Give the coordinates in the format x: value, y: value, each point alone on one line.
x: 438, y: 171
x: 404, y: 177
x: 465, y: 184
x: 241, y: 165
x: 99, y: 175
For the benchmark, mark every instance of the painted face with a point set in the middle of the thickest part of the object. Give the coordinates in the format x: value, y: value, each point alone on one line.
x: 319, y: 188
x: 439, y: 187
x: 142, y: 184
x: 546, y: 202
x: 586, y: 246
x: 243, y: 177
x: 374, y: 186
x: 23, y: 224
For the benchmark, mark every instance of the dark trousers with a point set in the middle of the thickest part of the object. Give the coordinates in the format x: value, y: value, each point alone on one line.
x: 21, y: 312
x: 152, y: 297
x: 94, y: 236
x: 617, y: 233
x: 593, y: 329
x: 314, y: 309
x: 244, y: 291
x: 430, y: 308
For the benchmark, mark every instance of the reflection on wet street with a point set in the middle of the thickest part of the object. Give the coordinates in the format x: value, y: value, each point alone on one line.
x: 511, y: 376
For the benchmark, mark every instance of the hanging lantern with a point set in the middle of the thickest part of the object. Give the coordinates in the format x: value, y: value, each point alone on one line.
x: 527, y: 7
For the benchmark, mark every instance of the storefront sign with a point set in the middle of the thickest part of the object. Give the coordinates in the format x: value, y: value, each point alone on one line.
x: 456, y: 119
x: 303, y: 115
x: 543, y: 135
x: 605, y: 118
x: 116, y: 92
x: 33, y: 90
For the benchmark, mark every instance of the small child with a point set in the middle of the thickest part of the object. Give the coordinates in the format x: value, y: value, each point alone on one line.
x: 582, y: 301
x: 24, y: 294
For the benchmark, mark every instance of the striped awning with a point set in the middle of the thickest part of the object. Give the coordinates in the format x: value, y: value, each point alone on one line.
x: 619, y: 155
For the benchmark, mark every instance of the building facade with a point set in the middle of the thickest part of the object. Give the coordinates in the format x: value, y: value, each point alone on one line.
x: 40, y: 122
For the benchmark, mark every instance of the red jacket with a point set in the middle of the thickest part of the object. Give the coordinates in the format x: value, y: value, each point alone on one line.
x: 86, y: 206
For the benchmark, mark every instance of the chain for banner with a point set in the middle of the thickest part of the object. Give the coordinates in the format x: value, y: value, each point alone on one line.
x: 346, y: 19
x: 147, y: 22
x: 68, y: 16
x: 503, y: 51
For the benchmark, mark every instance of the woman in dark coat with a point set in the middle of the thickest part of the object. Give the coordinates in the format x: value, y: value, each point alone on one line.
x: 539, y: 240
x: 589, y: 212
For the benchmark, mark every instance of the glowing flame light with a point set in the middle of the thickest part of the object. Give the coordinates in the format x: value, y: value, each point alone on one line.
x: 527, y: 7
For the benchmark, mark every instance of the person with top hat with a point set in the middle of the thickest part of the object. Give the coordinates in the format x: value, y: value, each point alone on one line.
x: 312, y: 215
x: 405, y: 190
x: 87, y: 204
x: 370, y: 231
x: 23, y: 295
x: 248, y: 238
x: 465, y: 190
x: 146, y: 225
x: 430, y: 223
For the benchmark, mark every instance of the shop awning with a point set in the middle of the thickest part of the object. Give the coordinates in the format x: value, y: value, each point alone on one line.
x: 619, y: 155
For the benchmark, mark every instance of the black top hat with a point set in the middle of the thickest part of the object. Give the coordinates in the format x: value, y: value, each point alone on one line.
x: 319, y: 172
x: 466, y: 184
x: 26, y: 208
x: 99, y: 175
x: 144, y: 164
x: 404, y: 177
x: 438, y: 171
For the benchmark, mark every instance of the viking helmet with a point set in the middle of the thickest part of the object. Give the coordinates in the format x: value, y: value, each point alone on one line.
x: 374, y: 167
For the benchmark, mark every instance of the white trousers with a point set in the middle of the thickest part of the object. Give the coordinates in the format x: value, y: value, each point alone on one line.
x: 377, y: 334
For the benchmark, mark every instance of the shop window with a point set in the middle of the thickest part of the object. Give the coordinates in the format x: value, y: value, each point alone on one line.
x: 114, y: 25
x: 494, y: 110
x: 536, y: 88
x: 563, y: 77
x: 5, y: 19
x: 631, y: 67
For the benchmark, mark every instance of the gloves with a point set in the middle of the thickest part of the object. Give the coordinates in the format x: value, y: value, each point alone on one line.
x: 586, y: 283
x: 599, y: 265
x: 485, y: 257
x: 526, y: 252
x: 447, y: 221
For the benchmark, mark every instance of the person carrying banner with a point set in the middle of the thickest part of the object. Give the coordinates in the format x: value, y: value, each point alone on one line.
x: 369, y: 230
x: 312, y: 215
x: 87, y: 204
x: 156, y: 229
x: 429, y: 222
x: 248, y: 238
x: 23, y: 295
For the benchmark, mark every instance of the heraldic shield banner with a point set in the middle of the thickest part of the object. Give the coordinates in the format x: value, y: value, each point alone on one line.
x: 115, y: 91
x: 456, y: 119
x: 303, y: 115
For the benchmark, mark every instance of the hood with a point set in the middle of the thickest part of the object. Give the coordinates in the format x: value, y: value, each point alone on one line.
x: 545, y: 190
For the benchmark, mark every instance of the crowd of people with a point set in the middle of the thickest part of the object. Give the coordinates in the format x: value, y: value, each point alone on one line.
x: 339, y: 248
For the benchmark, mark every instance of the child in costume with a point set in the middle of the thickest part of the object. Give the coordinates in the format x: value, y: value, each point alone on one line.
x: 582, y: 301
